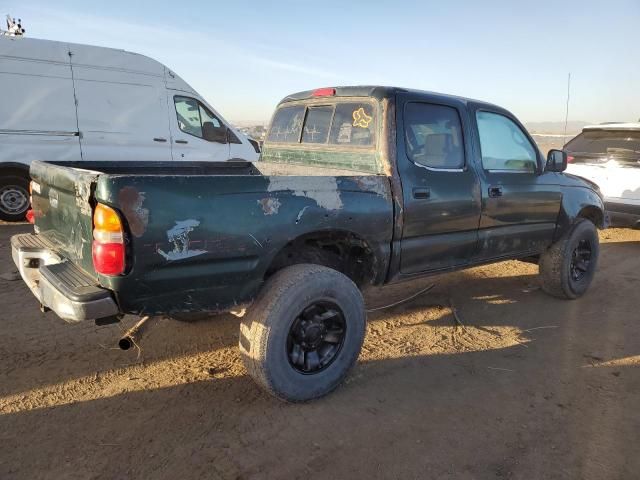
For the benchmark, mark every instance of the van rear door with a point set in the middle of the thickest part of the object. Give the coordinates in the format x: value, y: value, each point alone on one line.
x: 122, y: 105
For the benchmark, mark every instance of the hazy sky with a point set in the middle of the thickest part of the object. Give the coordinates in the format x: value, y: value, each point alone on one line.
x: 243, y: 57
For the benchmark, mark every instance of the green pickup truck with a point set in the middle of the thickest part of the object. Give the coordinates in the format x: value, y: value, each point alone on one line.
x: 356, y: 186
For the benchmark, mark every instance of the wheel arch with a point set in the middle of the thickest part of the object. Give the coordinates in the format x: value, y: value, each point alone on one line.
x: 343, y: 250
x: 14, y: 168
x: 578, y: 204
x: 594, y: 214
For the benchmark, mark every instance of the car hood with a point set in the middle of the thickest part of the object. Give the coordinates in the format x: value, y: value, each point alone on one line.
x: 572, y: 180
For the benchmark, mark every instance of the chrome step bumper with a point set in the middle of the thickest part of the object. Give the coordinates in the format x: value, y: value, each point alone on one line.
x: 59, y: 284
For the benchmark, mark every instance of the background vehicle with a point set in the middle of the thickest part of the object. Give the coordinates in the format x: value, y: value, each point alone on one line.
x: 356, y: 186
x: 609, y: 155
x: 78, y: 102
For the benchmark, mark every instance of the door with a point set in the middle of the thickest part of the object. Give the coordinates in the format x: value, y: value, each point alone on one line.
x: 122, y: 106
x: 520, y: 204
x: 440, y: 188
x: 198, y: 134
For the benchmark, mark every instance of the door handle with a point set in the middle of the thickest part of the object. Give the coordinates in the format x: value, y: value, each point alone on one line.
x: 421, y: 193
x: 159, y: 139
x: 181, y: 141
x: 495, y: 192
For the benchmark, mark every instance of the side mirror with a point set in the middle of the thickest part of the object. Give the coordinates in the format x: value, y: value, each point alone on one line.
x: 556, y: 161
x: 213, y: 134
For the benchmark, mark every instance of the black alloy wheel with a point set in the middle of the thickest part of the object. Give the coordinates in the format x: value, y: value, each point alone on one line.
x: 316, y: 337
x: 581, y: 260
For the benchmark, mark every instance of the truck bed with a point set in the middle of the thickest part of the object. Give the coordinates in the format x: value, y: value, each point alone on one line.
x: 202, y: 236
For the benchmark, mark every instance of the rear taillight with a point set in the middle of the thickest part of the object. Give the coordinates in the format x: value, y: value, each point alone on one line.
x: 29, y: 215
x: 570, y: 158
x: 108, y: 241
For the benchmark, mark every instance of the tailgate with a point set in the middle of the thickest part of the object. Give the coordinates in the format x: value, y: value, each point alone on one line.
x: 61, y: 202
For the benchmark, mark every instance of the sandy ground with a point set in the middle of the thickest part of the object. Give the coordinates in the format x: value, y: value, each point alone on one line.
x: 530, y: 387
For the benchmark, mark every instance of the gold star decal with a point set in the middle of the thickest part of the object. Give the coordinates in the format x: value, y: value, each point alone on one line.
x: 361, y: 119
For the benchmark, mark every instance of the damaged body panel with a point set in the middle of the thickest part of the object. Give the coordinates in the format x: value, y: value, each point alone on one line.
x: 381, y: 184
x: 211, y: 250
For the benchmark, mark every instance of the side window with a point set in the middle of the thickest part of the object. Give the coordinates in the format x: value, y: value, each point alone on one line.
x: 212, y: 129
x: 354, y: 124
x: 433, y: 136
x: 503, y: 144
x: 195, y: 119
x: 286, y: 125
x: 317, y: 124
x: 188, y: 112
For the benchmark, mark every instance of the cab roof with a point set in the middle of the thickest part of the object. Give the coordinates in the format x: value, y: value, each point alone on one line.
x: 380, y: 92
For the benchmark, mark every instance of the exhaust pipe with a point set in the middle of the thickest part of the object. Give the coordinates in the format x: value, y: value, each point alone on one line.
x: 133, y: 335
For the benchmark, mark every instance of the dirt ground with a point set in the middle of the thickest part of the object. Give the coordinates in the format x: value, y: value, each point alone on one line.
x: 529, y: 387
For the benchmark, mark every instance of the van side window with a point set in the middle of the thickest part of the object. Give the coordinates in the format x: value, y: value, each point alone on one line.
x: 503, y: 145
x: 195, y: 119
x: 433, y: 136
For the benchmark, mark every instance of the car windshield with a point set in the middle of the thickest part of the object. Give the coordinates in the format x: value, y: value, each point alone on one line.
x: 619, y: 144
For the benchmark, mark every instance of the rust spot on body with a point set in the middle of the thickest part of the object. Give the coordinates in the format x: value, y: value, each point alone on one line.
x: 374, y: 184
x: 270, y: 206
x: 130, y: 201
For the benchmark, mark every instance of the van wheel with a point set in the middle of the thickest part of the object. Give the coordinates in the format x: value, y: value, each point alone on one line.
x: 568, y: 266
x: 303, y: 332
x: 14, y: 198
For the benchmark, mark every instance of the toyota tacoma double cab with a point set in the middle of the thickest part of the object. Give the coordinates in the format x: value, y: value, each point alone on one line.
x: 356, y: 186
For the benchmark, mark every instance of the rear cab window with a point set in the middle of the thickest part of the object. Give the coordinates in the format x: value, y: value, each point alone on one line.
x: 346, y: 124
x: 345, y: 129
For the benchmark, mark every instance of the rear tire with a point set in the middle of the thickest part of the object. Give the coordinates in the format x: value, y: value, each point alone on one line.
x: 14, y: 198
x: 303, y: 333
x: 568, y: 266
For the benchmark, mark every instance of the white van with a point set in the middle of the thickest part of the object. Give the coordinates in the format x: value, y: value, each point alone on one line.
x: 62, y: 101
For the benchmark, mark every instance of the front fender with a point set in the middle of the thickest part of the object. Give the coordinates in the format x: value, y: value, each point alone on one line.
x: 580, y: 202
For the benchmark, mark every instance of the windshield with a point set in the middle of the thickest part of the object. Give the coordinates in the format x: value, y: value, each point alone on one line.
x: 609, y: 143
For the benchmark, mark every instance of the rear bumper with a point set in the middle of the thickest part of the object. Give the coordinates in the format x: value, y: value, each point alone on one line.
x: 623, y: 214
x: 58, y: 284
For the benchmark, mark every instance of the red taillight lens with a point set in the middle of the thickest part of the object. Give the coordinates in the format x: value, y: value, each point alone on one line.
x: 323, y: 92
x: 570, y: 158
x: 30, y: 217
x: 108, y: 241
x: 108, y: 258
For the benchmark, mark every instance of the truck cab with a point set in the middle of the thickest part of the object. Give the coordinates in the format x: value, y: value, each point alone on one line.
x: 472, y: 185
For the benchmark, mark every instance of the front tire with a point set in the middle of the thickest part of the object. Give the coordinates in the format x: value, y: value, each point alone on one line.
x: 568, y: 266
x: 14, y: 198
x: 304, y: 332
